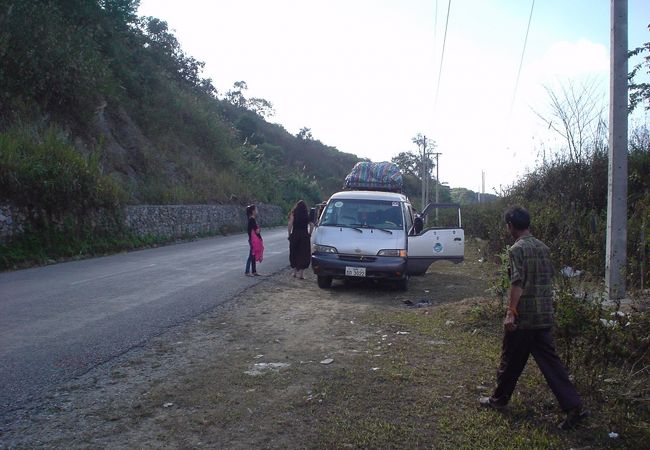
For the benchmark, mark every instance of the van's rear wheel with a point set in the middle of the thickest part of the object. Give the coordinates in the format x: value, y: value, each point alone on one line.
x: 324, y: 282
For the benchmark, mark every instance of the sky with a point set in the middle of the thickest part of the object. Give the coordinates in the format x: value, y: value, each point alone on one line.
x: 366, y: 76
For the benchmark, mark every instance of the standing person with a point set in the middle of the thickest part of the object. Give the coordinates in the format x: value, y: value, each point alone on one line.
x: 528, y: 322
x: 299, y: 229
x: 253, y: 229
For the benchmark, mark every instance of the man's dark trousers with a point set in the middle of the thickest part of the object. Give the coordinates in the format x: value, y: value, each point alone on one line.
x: 517, y: 346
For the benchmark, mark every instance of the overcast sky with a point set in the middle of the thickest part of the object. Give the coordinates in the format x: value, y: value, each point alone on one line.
x: 363, y: 74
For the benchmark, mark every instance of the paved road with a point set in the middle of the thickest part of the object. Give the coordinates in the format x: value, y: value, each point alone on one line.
x: 59, y: 321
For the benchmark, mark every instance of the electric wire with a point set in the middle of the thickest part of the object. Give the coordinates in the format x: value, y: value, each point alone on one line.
x: 442, y: 56
x: 435, y: 33
x: 521, y: 60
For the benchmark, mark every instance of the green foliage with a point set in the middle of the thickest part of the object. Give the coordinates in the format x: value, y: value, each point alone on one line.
x: 122, y: 83
x: 297, y: 187
x: 266, y: 182
x: 410, y: 163
x: 485, y: 221
x: 43, y: 246
x: 639, y: 91
x: 305, y: 134
x: 288, y: 155
x: 567, y: 202
x: 501, y: 283
x: 575, y: 315
x: 43, y: 172
x: 71, y: 205
x: 49, y: 58
x: 600, y: 342
x: 486, y: 314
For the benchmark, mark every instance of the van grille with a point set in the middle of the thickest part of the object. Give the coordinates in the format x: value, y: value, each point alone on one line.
x: 358, y: 258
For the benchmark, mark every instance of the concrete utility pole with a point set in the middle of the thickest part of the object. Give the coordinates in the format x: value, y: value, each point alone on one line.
x: 437, y: 182
x: 426, y: 173
x: 616, y: 253
x: 424, y: 169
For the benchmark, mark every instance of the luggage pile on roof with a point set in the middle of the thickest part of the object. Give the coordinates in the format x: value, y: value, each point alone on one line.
x: 371, y: 176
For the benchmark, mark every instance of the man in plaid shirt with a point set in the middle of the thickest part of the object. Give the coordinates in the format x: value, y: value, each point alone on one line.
x: 529, y: 321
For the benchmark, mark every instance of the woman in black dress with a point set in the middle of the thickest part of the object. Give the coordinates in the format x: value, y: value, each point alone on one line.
x: 300, y: 229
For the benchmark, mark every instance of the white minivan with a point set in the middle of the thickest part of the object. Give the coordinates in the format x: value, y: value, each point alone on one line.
x: 371, y: 234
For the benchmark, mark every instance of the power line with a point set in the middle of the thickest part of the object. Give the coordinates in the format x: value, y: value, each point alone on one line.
x: 435, y: 33
x: 521, y: 61
x: 442, y: 56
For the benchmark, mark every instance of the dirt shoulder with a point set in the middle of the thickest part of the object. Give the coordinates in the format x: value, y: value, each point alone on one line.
x: 256, y: 373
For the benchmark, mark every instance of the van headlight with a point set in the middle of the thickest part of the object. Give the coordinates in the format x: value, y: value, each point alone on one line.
x: 324, y: 249
x: 392, y: 252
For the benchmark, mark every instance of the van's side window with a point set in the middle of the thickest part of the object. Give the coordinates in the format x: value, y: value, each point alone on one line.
x: 408, y: 217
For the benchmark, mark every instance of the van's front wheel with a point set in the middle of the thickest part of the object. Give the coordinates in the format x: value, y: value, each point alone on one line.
x: 324, y: 282
x: 403, y: 284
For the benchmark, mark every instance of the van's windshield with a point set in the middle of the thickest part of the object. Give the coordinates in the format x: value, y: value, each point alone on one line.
x: 356, y: 213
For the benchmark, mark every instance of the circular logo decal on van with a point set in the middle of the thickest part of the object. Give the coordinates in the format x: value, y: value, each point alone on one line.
x: 338, y: 204
x: 438, y: 247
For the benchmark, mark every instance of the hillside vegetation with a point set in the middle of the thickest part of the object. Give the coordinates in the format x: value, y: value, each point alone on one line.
x: 100, y: 108
x: 120, y: 88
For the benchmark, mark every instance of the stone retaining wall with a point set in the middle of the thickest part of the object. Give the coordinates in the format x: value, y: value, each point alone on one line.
x: 194, y: 220
x: 164, y: 220
x: 12, y: 222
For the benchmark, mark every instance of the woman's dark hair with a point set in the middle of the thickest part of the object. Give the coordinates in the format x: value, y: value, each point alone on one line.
x: 518, y: 217
x: 300, y: 210
x: 249, y: 210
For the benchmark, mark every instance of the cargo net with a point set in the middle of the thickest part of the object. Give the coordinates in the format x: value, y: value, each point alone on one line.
x: 382, y: 176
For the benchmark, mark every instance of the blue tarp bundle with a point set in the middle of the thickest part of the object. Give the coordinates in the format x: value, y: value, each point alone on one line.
x: 381, y: 176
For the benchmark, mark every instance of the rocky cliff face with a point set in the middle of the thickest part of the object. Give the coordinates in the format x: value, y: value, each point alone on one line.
x: 123, y: 143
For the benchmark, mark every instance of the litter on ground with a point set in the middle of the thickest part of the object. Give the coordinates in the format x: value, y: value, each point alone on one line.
x: 420, y: 304
x: 262, y: 368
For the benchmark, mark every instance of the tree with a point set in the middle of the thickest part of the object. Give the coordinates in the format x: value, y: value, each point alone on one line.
x: 640, y: 92
x: 427, y: 146
x: 235, y: 96
x: 464, y: 196
x: 408, y: 162
x: 167, y: 51
x: 123, y: 12
x: 259, y: 106
x: 305, y: 134
x: 577, y: 116
x: 247, y: 126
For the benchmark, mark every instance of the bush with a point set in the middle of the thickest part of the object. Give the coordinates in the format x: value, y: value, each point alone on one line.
x: 606, y: 349
x: 67, y: 198
x: 567, y: 201
x: 44, y: 172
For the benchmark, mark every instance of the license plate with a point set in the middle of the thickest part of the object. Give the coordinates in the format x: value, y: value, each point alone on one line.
x: 355, y: 271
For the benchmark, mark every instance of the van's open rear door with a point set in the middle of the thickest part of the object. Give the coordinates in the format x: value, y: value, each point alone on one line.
x: 432, y: 244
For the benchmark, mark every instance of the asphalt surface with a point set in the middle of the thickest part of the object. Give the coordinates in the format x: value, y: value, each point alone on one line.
x: 58, y: 322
